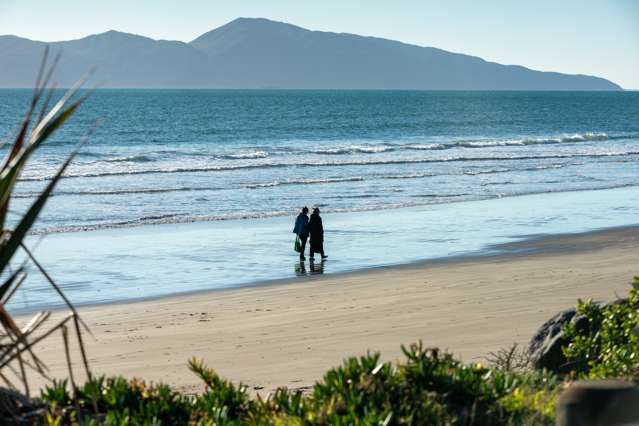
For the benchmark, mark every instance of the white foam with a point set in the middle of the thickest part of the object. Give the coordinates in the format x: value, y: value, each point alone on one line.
x: 246, y: 155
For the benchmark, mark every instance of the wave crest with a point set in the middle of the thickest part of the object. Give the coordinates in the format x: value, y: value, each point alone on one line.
x: 245, y: 155
x: 304, y: 182
x: 354, y: 149
x: 130, y: 159
x: 450, y: 159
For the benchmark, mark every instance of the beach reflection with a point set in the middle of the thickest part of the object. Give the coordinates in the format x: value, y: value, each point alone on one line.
x: 313, y: 268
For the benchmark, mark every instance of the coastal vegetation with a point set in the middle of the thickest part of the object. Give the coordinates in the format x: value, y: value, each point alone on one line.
x: 428, y: 387
x: 608, y: 345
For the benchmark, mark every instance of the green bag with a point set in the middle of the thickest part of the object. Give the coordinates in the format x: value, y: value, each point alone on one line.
x: 298, y: 244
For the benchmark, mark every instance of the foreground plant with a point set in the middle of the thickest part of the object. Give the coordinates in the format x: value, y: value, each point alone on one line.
x: 18, y: 345
x: 609, y: 345
x: 427, y: 388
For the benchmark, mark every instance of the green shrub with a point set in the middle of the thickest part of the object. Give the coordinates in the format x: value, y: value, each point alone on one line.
x: 116, y: 401
x: 428, y: 388
x: 609, y: 346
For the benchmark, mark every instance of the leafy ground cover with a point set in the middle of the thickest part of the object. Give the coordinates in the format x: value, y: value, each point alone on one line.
x: 427, y: 388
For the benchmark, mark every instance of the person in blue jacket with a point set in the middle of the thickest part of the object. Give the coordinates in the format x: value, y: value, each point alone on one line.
x: 301, y: 229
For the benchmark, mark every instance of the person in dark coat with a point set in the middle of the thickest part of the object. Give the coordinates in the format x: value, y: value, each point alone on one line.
x: 316, y: 230
x: 301, y: 229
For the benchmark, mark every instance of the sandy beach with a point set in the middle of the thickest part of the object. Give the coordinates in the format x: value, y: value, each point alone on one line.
x: 288, y: 334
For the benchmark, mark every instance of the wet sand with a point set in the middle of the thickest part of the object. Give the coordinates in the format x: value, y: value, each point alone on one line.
x: 288, y: 334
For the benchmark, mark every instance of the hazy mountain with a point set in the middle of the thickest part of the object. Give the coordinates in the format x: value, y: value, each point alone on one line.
x: 258, y: 53
x: 120, y: 60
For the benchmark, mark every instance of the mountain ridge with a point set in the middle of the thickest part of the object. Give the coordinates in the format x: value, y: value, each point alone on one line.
x: 254, y: 53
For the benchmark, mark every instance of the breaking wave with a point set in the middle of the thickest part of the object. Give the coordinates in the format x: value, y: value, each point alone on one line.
x: 257, y: 166
x: 245, y: 155
x: 478, y: 143
x: 130, y: 159
x: 183, y: 218
x: 355, y: 149
x: 260, y: 185
x: 303, y: 182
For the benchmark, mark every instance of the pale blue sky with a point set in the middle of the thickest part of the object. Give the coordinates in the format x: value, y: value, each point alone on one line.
x: 598, y: 37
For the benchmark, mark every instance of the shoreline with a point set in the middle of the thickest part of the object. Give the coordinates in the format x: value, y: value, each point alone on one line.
x: 147, y: 263
x: 289, y: 333
x: 189, y: 220
x: 525, y: 245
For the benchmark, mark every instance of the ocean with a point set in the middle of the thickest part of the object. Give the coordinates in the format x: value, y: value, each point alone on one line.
x: 406, y: 170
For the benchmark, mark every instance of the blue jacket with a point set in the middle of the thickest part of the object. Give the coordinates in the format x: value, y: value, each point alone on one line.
x: 301, y: 225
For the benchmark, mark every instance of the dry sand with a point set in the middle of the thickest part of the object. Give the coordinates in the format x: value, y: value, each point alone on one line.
x: 290, y: 333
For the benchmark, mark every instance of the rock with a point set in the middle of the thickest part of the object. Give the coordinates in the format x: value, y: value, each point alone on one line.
x: 17, y: 409
x: 602, y: 402
x: 545, y: 347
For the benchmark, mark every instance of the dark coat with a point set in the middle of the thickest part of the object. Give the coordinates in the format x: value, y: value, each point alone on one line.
x: 316, y: 229
x: 301, y: 225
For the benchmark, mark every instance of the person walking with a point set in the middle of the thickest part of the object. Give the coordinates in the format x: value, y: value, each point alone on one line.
x: 316, y: 230
x: 301, y: 229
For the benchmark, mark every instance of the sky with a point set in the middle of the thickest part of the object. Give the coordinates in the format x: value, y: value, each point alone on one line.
x: 595, y: 37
